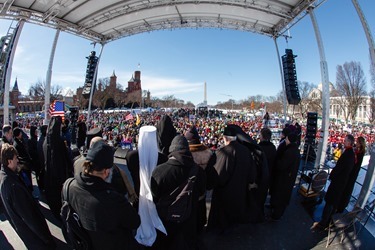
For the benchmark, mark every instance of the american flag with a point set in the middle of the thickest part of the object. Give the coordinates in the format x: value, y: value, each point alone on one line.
x: 57, y: 109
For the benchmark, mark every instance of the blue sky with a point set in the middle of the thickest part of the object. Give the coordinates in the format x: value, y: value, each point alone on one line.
x: 234, y: 64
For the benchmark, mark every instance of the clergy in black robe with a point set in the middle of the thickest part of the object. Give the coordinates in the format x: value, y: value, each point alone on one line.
x: 58, y: 165
x: 235, y: 170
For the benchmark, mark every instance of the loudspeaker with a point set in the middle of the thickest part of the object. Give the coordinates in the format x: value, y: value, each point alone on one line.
x: 311, y: 128
x: 290, y: 77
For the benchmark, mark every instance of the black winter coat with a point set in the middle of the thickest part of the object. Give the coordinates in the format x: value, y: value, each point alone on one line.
x: 105, y: 214
x: 347, y: 194
x: 270, y: 151
x: 23, y: 155
x: 33, y: 151
x: 339, y: 177
x: 23, y: 212
x: 284, y: 175
x: 166, y: 178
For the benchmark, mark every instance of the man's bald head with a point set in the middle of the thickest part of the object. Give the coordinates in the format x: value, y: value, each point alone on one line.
x: 95, y: 140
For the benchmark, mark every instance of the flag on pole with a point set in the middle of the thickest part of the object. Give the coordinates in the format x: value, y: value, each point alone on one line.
x: 57, y: 109
x: 129, y: 117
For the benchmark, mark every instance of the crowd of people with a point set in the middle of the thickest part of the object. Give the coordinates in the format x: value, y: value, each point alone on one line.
x: 234, y: 157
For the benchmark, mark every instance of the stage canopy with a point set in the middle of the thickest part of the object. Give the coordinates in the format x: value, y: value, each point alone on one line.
x: 103, y: 21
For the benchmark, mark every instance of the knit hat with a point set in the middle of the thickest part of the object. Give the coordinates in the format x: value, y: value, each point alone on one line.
x: 192, y: 136
x: 179, y: 142
x: 292, y: 137
x: 101, y: 155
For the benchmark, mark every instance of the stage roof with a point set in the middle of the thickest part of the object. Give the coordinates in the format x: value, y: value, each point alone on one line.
x: 103, y: 21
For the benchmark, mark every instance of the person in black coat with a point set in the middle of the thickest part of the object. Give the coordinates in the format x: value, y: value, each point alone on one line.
x: 58, y: 165
x: 43, y: 133
x: 359, y: 151
x: 284, y: 176
x: 33, y: 152
x: 23, y: 157
x: 339, y: 178
x: 236, y: 171
x: 7, y: 136
x: 21, y: 208
x: 81, y: 133
x: 106, y: 214
x: 204, y: 158
x: 166, y: 177
x: 269, y: 149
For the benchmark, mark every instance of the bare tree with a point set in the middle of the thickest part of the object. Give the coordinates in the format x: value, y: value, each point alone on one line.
x: 189, y: 104
x: 169, y: 101
x: 350, y: 88
x: 305, y: 90
x: 102, y: 94
x: 38, y: 91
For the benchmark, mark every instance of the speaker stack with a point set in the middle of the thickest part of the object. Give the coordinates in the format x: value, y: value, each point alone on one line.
x: 290, y: 77
x: 311, y: 129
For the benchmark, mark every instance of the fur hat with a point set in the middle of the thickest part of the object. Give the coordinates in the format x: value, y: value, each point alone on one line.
x: 101, y: 155
x: 192, y: 136
x: 179, y: 142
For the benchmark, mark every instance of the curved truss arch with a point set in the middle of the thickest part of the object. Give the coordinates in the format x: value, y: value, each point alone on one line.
x: 104, y: 21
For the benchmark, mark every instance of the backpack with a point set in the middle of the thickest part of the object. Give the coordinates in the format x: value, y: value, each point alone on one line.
x: 73, y: 231
x: 181, y: 199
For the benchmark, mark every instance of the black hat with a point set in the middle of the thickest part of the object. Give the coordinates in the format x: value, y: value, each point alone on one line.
x: 286, y: 131
x: 101, y: 155
x: 229, y: 131
x: 179, y: 142
x: 91, y: 134
x: 192, y: 136
x: 292, y: 137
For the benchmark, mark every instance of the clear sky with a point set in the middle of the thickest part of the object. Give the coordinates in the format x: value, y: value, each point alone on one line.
x: 234, y: 64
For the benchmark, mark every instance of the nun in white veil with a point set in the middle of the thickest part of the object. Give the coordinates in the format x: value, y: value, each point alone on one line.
x: 148, y: 158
